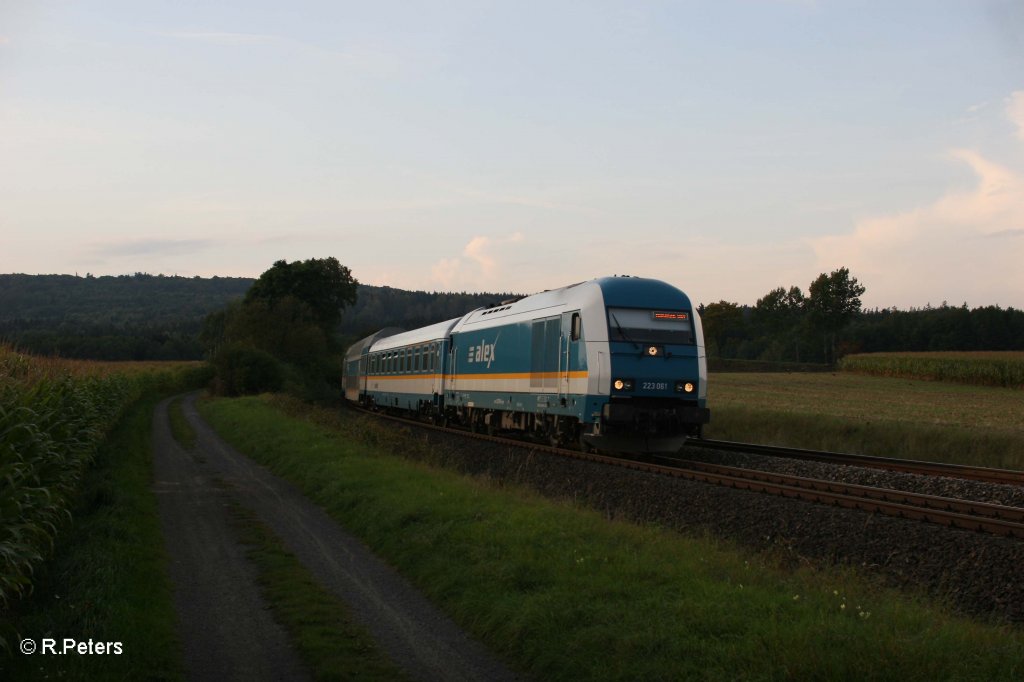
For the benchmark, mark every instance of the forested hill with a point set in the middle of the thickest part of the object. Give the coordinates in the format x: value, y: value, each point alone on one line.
x: 158, y: 317
x: 125, y: 299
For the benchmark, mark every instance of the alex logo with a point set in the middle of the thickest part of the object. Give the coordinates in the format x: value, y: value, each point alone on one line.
x: 484, y: 352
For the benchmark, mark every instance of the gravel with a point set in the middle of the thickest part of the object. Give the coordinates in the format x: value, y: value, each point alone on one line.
x: 978, y: 574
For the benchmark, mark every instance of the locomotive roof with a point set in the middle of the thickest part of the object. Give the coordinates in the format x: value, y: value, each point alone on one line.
x: 609, y: 291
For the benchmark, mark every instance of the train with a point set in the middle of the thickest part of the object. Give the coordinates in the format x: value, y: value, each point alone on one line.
x: 614, y: 364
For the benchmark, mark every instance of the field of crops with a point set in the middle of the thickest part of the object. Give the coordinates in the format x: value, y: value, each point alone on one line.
x: 1003, y: 368
x: 53, y: 416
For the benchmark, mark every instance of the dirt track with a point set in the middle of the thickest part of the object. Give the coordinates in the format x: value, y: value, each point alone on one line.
x: 225, y: 626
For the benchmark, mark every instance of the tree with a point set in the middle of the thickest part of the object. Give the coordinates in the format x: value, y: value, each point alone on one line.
x: 323, y: 284
x: 778, y: 315
x: 833, y: 301
x: 722, y: 321
x: 290, y: 314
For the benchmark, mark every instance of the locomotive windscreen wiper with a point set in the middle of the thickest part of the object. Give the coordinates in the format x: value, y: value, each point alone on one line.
x: 622, y: 332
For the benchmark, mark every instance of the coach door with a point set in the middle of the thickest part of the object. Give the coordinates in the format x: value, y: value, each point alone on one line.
x: 435, y: 351
x: 572, y: 333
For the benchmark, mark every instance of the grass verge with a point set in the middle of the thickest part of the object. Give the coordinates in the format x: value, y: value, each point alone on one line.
x: 107, y: 581
x: 564, y: 594
x: 181, y: 430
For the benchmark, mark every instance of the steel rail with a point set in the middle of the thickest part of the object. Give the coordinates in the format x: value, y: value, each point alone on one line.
x: 986, y: 474
x: 936, y: 502
x: 792, y: 487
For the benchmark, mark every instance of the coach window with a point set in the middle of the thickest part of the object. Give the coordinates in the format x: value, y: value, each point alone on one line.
x: 577, y: 327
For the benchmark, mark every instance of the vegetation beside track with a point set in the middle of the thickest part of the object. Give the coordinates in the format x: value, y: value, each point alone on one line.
x: 1004, y: 369
x: 886, y: 417
x: 565, y: 594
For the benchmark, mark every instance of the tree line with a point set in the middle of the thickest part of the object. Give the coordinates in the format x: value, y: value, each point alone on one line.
x: 157, y: 317
x: 786, y: 325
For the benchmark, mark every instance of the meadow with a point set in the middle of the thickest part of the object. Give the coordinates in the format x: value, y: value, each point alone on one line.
x: 883, y: 416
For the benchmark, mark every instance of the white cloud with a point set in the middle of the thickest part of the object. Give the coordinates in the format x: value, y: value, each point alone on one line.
x: 966, y: 246
x: 478, y: 267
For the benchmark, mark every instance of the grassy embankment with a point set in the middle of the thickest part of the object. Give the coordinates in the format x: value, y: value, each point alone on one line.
x: 887, y: 417
x: 564, y: 594
x: 81, y: 555
x: 319, y: 625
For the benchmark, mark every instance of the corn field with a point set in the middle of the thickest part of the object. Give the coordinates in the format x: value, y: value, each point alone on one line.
x: 1002, y: 368
x: 53, y: 416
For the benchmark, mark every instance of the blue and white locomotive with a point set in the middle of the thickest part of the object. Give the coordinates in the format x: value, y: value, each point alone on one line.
x: 615, y: 364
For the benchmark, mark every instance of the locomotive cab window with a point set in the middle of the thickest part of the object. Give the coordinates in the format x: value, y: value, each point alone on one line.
x: 635, y: 325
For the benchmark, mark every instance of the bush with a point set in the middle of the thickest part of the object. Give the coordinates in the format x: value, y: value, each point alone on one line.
x: 242, y: 370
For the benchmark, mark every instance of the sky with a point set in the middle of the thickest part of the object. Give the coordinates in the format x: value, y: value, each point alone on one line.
x: 726, y: 147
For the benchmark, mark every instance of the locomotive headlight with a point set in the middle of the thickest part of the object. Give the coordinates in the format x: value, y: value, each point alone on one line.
x: 623, y: 384
x: 685, y: 387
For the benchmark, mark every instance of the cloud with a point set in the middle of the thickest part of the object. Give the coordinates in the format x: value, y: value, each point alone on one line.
x: 946, y: 250
x: 478, y: 266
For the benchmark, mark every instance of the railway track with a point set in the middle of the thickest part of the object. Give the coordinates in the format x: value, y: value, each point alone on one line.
x: 977, y: 516
x: 988, y: 475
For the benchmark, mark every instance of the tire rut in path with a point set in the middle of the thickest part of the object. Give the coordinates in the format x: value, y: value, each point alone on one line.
x: 224, y: 624
x: 409, y: 629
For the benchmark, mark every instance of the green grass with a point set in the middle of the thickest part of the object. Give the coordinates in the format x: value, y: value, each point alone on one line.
x: 108, y: 578
x: 318, y: 623
x: 888, y: 417
x: 1002, y: 368
x: 564, y: 594
x: 181, y: 430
